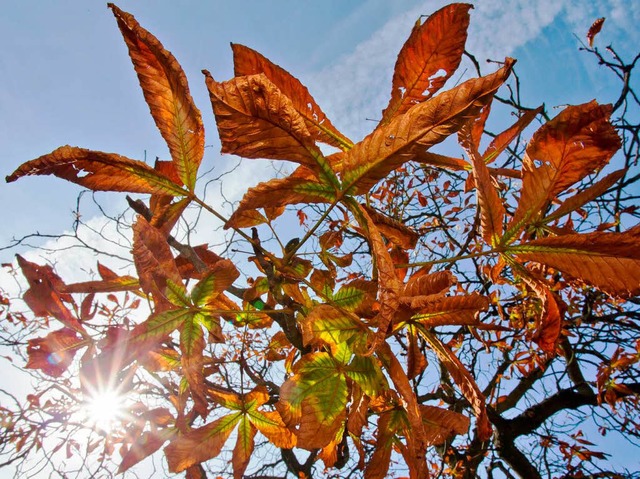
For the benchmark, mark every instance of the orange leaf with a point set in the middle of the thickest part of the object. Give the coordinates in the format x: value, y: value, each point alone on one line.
x: 256, y: 120
x: 594, y: 29
x: 421, y: 127
x: 54, y: 353
x: 244, y: 447
x: 99, y: 171
x: 154, y: 262
x: 144, y: 446
x: 441, y: 424
x: 584, y: 196
x: 429, y: 284
x: 200, y: 444
x: 609, y: 261
x: 465, y: 382
x: 299, y: 187
x: 502, y: 140
x: 393, y: 230
x: 576, y: 143
x: 249, y: 62
x: 450, y: 310
x: 428, y: 58
x: 166, y: 91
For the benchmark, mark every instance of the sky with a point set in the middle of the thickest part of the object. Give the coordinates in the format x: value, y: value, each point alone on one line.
x: 67, y: 78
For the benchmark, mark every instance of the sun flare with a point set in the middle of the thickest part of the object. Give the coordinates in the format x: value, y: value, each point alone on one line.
x: 104, y: 408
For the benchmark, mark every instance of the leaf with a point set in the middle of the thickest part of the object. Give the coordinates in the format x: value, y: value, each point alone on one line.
x: 609, y: 261
x: 388, y: 283
x: 421, y: 127
x: 244, y: 447
x: 504, y: 139
x: 256, y: 120
x: 451, y: 310
x: 54, y: 353
x: 201, y: 444
x: 119, y: 283
x: 594, y: 29
x: 492, y: 210
x: 270, y: 424
x: 99, y: 171
x: 143, y: 447
x: 576, y: 143
x: 395, y: 231
x: 465, y: 382
x: 192, y: 344
x: 429, y: 284
x: 249, y: 62
x: 584, y: 196
x: 428, y: 58
x: 330, y: 325
x: 154, y: 262
x: 390, y: 423
x: 366, y: 372
x: 45, y: 296
x: 166, y: 91
x: 441, y: 424
x: 300, y: 187
x: 220, y: 276
x: 159, y: 325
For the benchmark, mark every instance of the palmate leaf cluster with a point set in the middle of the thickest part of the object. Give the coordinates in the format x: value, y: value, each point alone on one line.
x: 340, y: 375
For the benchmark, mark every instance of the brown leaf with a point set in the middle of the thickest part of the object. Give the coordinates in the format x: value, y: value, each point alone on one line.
x: 594, y: 29
x: 576, y: 143
x: 54, y: 353
x: 584, y: 196
x: 450, y: 310
x: 465, y: 382
x: 492, y: 210
x: 300, y: 187
x: 99, y: 171
x: 144, y: 446
x: 166, y: 91
x: 609, y: 261
x: 393, y: 230
x: 502, y: 140
x: 421, y: 127
x: 428, y: 58
x: 154, y: 262
x: 244, y: 448
x: 441, y: 424
x: 256, y: 120
x: 46, y: 296
x: 429, y: 284
x: 200, y: 444
x: 249, y: 62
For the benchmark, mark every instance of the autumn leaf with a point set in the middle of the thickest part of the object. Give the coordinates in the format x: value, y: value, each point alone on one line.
x: 99, y: 171
x: 594, y: 29
x: 249, y: 62
x: 144, y: 446
x: 299, y: 187
x: 154, y: 262
x: 256, y: 120
x: 464, y: 381
x: 577, y: 142
x: 504, y: 139
x: 609, y: 261
x: 448, y: 310
x: 442, y: 424
x: 428, y: 58
x: 395, y: 231
x: 421, y: 127
x: 166, y: 91
x: 54, y: 353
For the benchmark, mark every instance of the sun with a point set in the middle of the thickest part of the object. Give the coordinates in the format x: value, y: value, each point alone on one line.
x: 103, y: 409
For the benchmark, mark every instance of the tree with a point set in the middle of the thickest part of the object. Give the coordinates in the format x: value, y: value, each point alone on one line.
x: 434, y: 317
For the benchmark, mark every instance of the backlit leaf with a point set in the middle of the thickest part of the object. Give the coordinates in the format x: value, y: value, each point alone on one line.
x: 428, y: 58
x: 441, y: 424
x: 421, y: 127
x: 200, y: 444
x: 256, y: 120
x: 54, y: 353
x: 99, y: 171
x: 609, y: 261
x: 244, y: 447
x: 577, y: 142
x: 300, y: 187
x: 249, y: 62
x: 144, y: 446
x: 594, y: 29
x: 166, y: 91
x: 451, y: 310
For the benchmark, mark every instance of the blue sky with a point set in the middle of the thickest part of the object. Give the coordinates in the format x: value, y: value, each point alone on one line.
x: 67, y: 78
